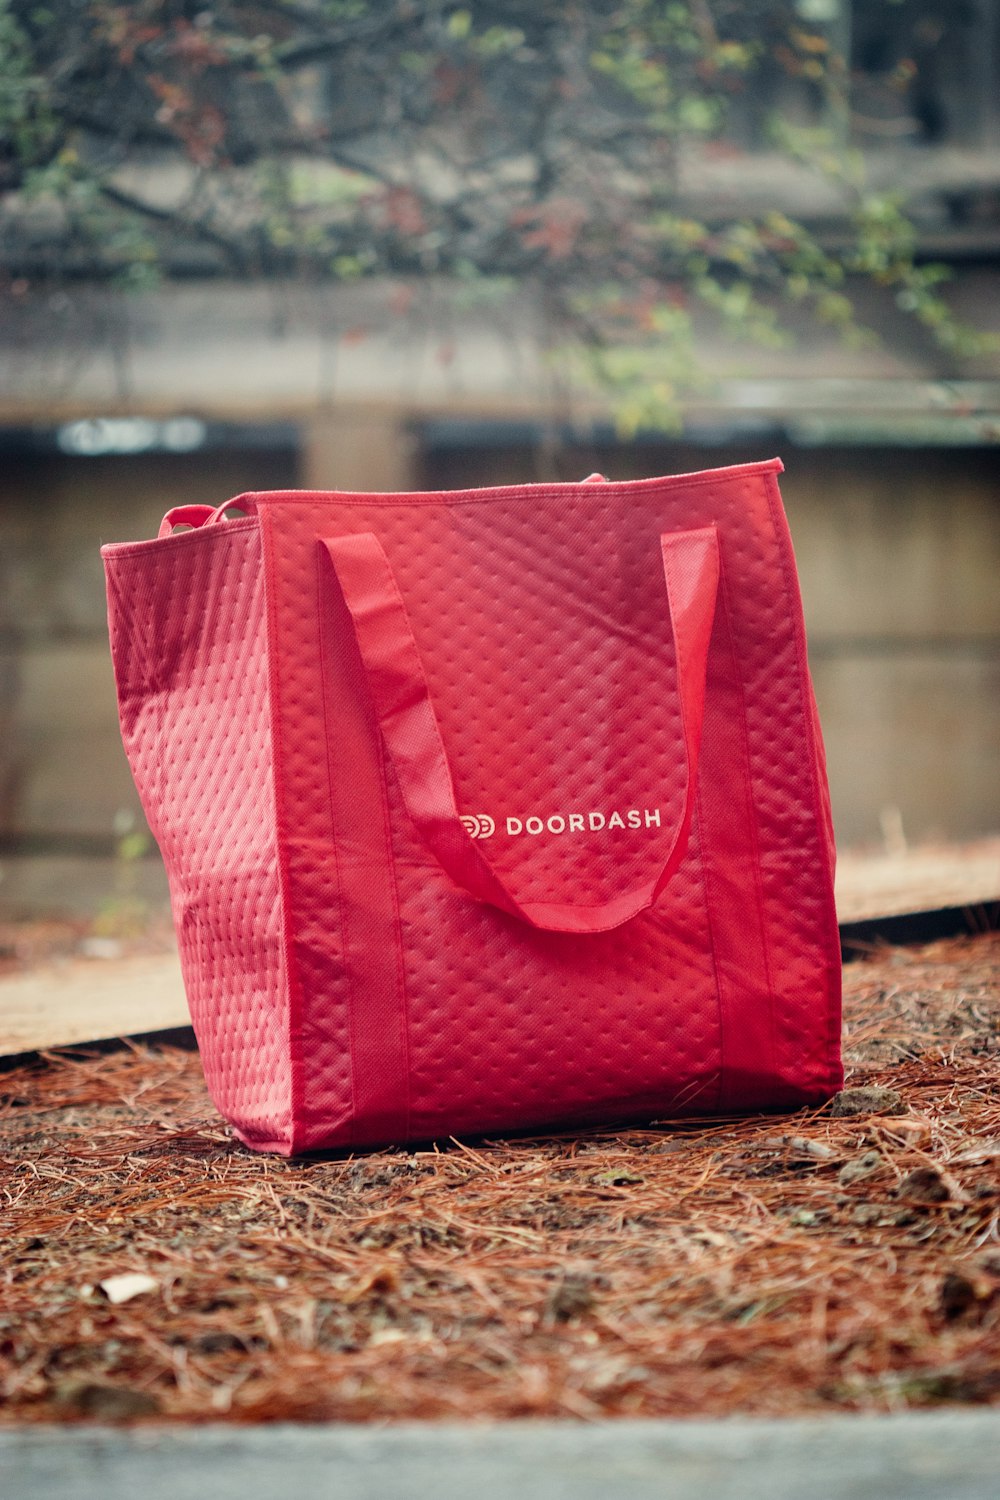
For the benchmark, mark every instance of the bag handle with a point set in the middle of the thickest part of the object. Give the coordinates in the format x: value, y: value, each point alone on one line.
x: 412, y: 734
x: 197, y: 516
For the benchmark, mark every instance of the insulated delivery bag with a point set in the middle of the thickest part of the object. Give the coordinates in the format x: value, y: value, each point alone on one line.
x: 486, y: 809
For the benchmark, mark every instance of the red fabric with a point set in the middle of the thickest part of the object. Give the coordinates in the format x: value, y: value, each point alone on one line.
x: 412, y: 736
x: 541, y: 830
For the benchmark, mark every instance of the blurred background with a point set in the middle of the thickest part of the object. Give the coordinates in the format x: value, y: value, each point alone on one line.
x: 406, y: 247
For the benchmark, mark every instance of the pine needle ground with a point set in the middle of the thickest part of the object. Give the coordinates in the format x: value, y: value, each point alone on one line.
x: 771, y: 1266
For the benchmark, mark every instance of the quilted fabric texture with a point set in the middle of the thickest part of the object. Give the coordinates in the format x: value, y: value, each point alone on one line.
x: 509, y: 809
x: 188, y: 641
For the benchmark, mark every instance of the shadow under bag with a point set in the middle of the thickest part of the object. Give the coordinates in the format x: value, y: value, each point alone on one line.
x: 486, y: 809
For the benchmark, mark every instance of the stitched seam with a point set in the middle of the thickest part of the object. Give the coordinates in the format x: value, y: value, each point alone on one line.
x: 712, y: 943
x: 402, y: 995
x: 758, y: 882
x: 292, y: 994
x: 798, y: 634
x: 327, y: 738
x: 203, y: 534
x: 508, y: 493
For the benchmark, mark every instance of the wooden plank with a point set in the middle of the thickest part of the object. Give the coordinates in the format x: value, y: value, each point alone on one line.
x: 870, y: 887
x: 86, y: 1000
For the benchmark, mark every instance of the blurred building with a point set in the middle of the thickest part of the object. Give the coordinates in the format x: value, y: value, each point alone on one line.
x: 114, y: 409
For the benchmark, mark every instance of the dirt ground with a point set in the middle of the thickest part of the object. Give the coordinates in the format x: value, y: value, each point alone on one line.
x: 824, y: 1261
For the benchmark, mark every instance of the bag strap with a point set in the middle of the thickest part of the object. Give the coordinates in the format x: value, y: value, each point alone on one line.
x: 197, y: 516
x: 412, y: 734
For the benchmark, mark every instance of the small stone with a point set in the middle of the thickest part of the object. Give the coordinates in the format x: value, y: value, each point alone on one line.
x: 573, y: 1296
x: 861, y: 1166
x: 967, y: 1295
x: 105, y: 1403
x: 957, y: 1295
x: 930, y: 1185
x: 867, y: 1100
x: 130, y: 1284
x: 616, y: 1178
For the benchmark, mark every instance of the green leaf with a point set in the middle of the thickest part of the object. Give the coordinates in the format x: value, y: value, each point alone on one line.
x: 459, y: 25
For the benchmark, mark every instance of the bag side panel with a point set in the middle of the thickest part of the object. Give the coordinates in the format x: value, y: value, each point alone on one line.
x: 792, y: 799
x: 189, y: 643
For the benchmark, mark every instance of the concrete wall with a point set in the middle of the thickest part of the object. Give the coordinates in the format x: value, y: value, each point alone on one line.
x: 63, y: 774
x: 899, y: 556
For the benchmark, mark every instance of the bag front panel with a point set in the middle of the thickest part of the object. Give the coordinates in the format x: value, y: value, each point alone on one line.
x: 341, y: 868
x: 545, y: 636
x: 188, y: 642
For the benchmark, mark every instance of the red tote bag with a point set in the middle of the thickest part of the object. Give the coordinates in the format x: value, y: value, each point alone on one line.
x: 486, y: 809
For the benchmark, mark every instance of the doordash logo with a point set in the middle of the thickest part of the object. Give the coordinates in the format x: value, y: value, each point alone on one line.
x: 482, y: 826
x: 478, y: 825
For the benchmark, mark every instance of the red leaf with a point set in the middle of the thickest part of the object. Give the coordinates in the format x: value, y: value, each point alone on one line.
x: 553, y: 226
x: 403, y: 211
